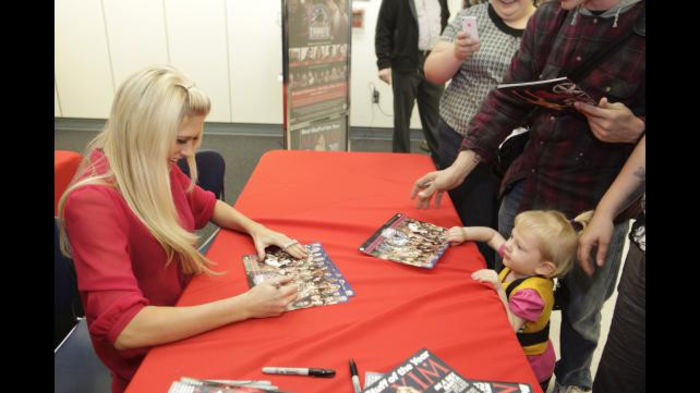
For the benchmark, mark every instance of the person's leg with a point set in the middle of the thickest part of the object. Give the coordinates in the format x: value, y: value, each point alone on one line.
x: 477, y: 204
x: 622, y: 367
x: 506, y: 214
x: 475, y: 198
x: 404, y: 89
x: 428, y: 96
x: 580, y: 319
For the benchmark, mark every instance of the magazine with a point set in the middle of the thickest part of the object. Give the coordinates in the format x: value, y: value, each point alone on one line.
x: 318, y: 279
x: 409, y: 241
x: 424, y: 372
x: 558, y: 93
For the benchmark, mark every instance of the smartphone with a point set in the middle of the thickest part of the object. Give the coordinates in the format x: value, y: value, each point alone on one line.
x: 469, y: 26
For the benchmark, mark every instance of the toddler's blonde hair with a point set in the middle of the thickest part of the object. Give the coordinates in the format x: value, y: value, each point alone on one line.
x: 556, y: 236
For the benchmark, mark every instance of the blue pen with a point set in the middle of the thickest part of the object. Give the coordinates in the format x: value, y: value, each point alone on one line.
x: 355, y: 378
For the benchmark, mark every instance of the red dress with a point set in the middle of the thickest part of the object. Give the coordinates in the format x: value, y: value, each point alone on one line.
x: 119, y: 264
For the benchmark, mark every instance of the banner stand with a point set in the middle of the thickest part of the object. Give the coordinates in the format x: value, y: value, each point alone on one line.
x: 316, y: 38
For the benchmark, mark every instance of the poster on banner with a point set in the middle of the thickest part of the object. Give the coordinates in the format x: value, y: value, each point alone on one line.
x: 316, y: 71
x: 321, y: 135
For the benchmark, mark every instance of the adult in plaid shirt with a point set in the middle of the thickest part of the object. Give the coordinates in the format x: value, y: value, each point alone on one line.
x: 572, y: 158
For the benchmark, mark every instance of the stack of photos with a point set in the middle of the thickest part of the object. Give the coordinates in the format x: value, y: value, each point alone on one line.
x: 318, y: 279
x: 193, y: 385
x: 409, y: 241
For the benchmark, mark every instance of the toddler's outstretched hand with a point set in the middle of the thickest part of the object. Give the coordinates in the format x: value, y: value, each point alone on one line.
x: 488, y: 276
x: 455, y: 236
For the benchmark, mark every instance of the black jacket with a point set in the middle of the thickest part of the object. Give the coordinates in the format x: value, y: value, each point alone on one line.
x: 396, y: 36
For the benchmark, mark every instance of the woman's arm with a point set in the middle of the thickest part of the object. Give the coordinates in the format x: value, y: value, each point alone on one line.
x: 446, y: 57
x: 227, y: 217
x: 154, y: 325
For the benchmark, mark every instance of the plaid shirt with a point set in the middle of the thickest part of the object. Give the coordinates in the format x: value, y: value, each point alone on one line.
x: 564, y: 166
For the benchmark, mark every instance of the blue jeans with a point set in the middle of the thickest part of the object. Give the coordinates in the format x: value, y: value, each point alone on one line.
x: 580, y: 326
x: 507, y: 212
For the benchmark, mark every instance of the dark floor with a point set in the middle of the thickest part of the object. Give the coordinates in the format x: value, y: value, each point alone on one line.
x: 241, y: 154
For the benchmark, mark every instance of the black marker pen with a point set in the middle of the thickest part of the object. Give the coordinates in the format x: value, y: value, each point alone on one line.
x: 312, y: 372
x: 353, y: 376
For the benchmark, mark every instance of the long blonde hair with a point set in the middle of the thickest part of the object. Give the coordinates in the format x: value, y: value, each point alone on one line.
x: 136, y: 140
x: 556, y: 235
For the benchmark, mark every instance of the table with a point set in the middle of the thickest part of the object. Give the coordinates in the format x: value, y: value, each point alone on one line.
x: 66, y: 162
x: 340, y: 199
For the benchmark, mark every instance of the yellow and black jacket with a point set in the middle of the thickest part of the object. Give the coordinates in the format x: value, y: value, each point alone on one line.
x: 533, y: 336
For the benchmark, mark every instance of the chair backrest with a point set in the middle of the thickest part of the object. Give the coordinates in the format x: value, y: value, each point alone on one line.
x: 211, y: 169
x: 76, y: 365
x: 65, y: 164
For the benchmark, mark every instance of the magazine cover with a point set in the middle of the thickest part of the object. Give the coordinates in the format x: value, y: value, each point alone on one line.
x: 409, y: 241
x: 426, y: 373
x: 319, y: 281
x: 558, y: 93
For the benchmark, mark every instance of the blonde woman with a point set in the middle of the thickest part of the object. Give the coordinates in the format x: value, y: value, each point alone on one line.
x: 542, y: 246
x: 128, y: 222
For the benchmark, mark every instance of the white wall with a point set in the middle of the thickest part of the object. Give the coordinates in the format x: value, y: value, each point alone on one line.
x: 56, y: 107
x: 255, y: 39
x: 84, y: 82
x: 131, y: 48
x: 232, y: 49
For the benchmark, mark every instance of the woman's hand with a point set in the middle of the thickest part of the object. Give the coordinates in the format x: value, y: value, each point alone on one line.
x: 487, y: 276
x: 437, y: 182
x: 433, y: 183
x: 465, y: 46
x: 264, y: 237
x: 270, y: 298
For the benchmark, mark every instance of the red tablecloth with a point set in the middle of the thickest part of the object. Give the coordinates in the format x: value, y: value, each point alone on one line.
x: 340, y: 199
x: 65, y: 164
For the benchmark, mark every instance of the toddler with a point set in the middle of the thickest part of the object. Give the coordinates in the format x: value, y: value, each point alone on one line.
x: 542, y: 246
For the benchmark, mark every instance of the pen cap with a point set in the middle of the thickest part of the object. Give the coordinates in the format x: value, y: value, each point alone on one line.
x: 353, y: 367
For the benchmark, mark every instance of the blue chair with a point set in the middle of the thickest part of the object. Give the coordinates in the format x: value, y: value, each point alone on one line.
x: 76, y: 365
x: 66, y: 302
x: 211, y: 169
